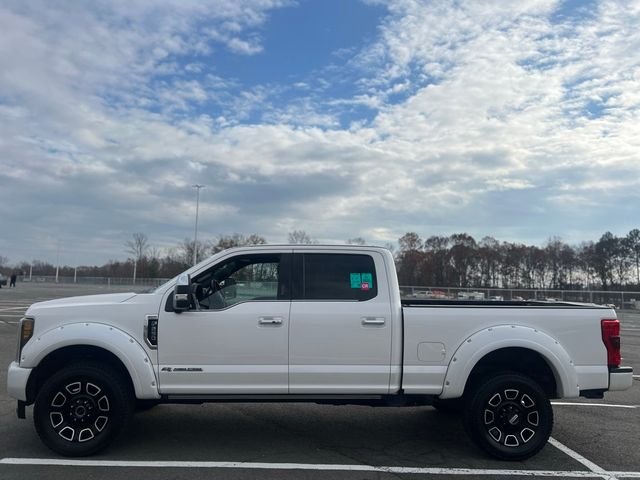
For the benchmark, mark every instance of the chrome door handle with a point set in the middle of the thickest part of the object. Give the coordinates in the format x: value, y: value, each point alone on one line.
x: 270, y: 320
x: 372, y: 320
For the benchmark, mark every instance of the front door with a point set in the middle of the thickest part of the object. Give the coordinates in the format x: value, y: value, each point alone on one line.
x: 234, y: 340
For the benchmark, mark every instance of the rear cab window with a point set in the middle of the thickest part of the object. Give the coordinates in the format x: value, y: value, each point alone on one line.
x: 334, y: 276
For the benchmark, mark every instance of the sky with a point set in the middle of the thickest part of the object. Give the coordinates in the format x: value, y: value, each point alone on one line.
x: 343, y: 118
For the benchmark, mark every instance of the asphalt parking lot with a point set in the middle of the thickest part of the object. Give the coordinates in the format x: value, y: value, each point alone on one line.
x: 591, y: 438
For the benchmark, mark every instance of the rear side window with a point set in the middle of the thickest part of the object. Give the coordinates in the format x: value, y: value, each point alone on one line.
x: 329, y: 276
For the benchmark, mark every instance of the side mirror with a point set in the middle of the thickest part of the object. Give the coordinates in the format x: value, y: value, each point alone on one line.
x: 182, y: 294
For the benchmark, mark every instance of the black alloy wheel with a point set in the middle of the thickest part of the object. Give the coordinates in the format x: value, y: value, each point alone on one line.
x: 82, y: 408
x: 509, y: 416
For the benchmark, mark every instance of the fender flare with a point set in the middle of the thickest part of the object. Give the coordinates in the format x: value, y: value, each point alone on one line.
x: 490, y: 339
x: 122, y: 345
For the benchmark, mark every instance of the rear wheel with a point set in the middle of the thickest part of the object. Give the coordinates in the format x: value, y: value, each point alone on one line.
x: 82, y: 408
x: 509, y: 416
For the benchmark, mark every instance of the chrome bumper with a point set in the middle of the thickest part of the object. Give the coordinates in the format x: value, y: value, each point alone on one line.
x: 620, y: 378
x: 17, y: 378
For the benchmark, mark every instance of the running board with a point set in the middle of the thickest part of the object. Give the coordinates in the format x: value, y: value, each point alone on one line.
x: 269, y: 398
x: 393, y: 400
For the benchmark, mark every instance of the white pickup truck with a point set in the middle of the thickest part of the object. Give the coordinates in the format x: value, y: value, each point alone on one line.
x: 321, y: 324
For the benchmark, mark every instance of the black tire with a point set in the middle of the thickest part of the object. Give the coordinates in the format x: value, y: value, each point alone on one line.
x: 450, y: 406
x: 509, y: 416
x: 81, y: 409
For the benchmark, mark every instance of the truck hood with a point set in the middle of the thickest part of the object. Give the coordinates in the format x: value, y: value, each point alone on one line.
x: 83, y: 301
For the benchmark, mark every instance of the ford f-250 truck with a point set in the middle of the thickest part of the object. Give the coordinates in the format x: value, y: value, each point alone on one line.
x: 321, y: 324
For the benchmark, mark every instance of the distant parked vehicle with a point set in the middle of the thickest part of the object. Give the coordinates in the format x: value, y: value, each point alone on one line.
x: 470, y: 296
x: 422, y: 294
x: 3, y: 280
x: 440, y: 294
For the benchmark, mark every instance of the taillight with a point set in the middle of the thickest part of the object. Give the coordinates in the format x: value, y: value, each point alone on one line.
x: 611, y: 339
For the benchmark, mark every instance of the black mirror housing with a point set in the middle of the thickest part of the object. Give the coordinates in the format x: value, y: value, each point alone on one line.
x: 182, y: 294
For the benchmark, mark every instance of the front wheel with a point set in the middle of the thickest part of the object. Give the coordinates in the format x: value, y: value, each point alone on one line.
x: 509, y: 416
x: 82, y: 408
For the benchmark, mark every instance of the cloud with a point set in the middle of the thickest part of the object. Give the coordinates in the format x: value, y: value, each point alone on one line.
x: 505, y: 119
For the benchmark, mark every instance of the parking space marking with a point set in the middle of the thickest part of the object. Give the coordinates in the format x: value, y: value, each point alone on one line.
x: 310, y: 466
x: 579, y: 458
x: 593, y: 472
x: 579, y: 404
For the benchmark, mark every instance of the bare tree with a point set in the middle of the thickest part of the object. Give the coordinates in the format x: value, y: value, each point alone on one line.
x: 3, y: 261
x: 300, y: 236
x: 236, y: 240
x: 138, y: 246
x: 255, y: 239
x: 632, y: 241
x: 185, y: 251
x: 356, y: 241
x: 604, y: 258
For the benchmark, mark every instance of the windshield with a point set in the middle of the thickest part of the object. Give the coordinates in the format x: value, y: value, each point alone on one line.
x: 195, y: 268
x: 165, y: 285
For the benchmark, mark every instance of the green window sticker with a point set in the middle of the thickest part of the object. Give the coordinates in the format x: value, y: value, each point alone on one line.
x: 356, y: 280
x: 368, y: 279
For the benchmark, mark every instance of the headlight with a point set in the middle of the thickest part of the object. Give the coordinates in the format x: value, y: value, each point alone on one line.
x: 25, y: 332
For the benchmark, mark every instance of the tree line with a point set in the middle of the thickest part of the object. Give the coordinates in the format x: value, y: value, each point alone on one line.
x: 457, y: 260
x: 149, y: 261
x: 461, y: 261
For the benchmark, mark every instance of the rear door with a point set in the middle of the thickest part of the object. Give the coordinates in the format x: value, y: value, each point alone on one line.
x: 340, y: 323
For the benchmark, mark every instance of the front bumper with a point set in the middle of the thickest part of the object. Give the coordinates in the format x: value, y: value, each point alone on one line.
x: 17, y: 378
x: 620, y: 378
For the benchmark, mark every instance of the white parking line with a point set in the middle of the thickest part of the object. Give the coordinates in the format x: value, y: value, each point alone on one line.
x: 610, y: 405
x: 322, y: 467
x: 579, y: 458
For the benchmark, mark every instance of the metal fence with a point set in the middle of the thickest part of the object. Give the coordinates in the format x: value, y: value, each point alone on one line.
x: 621, y: 300
x: 106, y: 281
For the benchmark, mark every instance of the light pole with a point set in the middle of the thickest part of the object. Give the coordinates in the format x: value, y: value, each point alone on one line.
x: 195, y: 236
x: 57, y: 261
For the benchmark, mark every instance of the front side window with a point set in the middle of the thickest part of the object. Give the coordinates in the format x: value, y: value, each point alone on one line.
x: 242, y: 278
x: 329, y: 276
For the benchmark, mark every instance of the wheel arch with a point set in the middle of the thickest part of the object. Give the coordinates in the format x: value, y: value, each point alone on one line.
x: 63, y: 345
x: 513, y: 348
